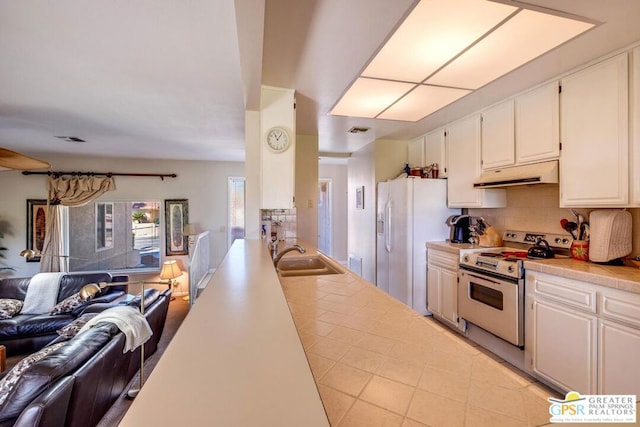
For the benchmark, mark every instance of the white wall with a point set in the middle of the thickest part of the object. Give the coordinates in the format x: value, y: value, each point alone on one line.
x: 378, y: 161
x: 306, y: 188
x: 338, y: 176
x: 203, y: 183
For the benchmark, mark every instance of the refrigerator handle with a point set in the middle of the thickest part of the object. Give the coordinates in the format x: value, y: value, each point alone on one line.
x: 387, y: 234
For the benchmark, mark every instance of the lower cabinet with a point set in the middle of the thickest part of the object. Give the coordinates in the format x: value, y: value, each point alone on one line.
x: 581, y: 336
x: 442, y: 285
x: 565, y: 346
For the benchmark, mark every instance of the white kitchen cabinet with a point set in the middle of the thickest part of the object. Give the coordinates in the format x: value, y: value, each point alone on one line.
x: 565, y: 346
x: 634, y: 182
x: 537, y: 124
x: 581, y: 336
x: 415, y: 152
x: 463, y: 167
x: 442, y: 285
x: 619, y: 350
x: 594, y: 134
x: 619, y: 342
x: 277, y: 169
x: 435, y: 151
x: 498, y: 136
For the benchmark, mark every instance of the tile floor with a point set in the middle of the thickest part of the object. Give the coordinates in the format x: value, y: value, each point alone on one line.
x: 378, y: 363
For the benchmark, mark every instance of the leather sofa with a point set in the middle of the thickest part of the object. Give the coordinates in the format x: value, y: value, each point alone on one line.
x: 76, y: 384
x: 27, y: 333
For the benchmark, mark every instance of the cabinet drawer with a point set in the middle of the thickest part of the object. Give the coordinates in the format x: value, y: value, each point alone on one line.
x: 565, y: 291
x: 622, y: 306
x: 442, y: 259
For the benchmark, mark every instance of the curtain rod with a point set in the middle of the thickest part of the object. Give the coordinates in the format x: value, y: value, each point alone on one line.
x: 162, y: 176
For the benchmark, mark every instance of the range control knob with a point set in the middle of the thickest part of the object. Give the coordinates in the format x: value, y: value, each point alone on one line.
x: 558, y: 240
x: 465, y: 258
x: 565, y: 241
x: 511, y: 269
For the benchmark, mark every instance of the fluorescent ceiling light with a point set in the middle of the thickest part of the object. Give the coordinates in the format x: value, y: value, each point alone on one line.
x: 421, y: 102
x: 452, y: 46
x: 524, y: 37
x: 434, y: 33
x: 369, y: 97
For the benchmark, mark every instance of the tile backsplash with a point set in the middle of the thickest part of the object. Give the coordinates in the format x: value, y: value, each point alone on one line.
x: 282, y: 221
x: 536, y: 208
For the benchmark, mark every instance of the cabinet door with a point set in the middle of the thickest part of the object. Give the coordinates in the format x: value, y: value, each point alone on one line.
x: 415, y: 152
x: 619, y: 352
x: 498, y: 144
x: 463, y: 165
x: 564, y: 344
x: 435, y: 151
x: 635, y: 125
x: 449, y: 296
x: 433, y: 289
x: 537, y: 124
x: 594, y: 134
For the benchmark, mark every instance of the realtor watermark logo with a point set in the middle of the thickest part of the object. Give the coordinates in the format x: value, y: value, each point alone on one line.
x: 597, y: 408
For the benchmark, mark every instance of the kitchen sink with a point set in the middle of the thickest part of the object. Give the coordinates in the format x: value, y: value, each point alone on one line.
x: 306, y: 266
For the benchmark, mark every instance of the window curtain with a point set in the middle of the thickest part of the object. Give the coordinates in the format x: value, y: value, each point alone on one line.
x: 75, y: 191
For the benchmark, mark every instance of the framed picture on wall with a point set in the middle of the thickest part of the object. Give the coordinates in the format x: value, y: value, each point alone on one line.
x: 360, y: 197
x: 176, y: 213
x: 36, y: 226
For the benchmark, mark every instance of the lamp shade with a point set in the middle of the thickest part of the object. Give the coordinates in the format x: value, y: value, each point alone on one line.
x: 170, y: 270
x: 189, y: 230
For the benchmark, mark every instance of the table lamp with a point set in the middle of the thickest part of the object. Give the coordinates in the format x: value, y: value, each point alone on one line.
x: 170, y: 271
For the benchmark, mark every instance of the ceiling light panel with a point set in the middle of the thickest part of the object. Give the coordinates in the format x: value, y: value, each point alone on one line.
x: 421, y: 102
x: 368, y: 97
x: 524, y: 37
x: 434, y: 33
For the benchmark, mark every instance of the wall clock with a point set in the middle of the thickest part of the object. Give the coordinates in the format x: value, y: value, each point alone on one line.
x: 277, y: 139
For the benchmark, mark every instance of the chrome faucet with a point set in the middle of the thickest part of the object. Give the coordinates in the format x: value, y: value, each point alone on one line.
x: 277, y: 256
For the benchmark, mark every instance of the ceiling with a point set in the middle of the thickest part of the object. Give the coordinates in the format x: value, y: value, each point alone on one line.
x: 170, y: 79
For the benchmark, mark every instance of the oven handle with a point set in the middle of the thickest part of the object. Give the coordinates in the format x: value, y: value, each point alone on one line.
x: 486, y: 279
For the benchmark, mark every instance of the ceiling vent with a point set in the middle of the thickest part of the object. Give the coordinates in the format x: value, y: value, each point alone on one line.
x: 357, y: 129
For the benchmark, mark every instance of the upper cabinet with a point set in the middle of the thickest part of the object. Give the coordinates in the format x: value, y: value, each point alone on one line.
x: 537, y: 124
x: 594, y: 133
x: 435, y: 151
x: 635, y: 126
x: 463, y: 159
x: 278, y: 148
x: 498, y: 147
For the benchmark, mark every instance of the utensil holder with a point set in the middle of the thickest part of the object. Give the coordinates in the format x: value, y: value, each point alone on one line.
x: 580, y: 250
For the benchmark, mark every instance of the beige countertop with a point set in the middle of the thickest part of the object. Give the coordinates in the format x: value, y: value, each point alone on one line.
x: 619, y: 277
x: 377, y: 362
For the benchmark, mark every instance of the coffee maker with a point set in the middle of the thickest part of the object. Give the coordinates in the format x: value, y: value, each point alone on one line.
x: 460, y: 231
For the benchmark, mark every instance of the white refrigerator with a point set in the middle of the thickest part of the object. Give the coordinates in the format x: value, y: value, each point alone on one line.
x: 410, y: 212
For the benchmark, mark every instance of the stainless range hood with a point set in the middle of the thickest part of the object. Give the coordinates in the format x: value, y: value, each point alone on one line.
x: 537, y: 173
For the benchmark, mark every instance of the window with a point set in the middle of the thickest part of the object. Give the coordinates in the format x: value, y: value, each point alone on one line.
x: 236, y: 209
x: 104, y: 226
x: 114, y: 236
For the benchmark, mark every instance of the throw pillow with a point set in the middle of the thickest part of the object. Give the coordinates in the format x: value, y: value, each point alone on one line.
x: 9, y: 382
x: 9, y: 308
x: 72, y: 328
x: 67, y: 305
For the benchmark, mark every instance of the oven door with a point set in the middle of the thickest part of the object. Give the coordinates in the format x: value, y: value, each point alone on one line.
x: 492, y: 303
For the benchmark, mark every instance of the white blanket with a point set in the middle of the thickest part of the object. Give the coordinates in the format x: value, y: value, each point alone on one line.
x: 129, y: 320
x: 42, y: 293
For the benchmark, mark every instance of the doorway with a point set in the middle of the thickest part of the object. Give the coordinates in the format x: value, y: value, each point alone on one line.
x: 236, y: 203
x: 324, y: 216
